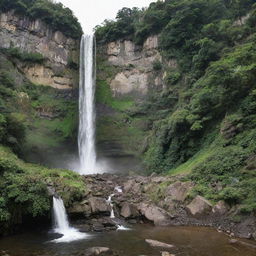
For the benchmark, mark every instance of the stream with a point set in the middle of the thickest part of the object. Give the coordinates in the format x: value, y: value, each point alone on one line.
x: 188, y: 241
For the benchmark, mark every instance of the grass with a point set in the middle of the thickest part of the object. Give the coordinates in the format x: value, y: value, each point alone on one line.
x: 193, y: 162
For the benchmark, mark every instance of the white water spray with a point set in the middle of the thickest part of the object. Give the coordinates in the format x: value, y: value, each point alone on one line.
x: 86, y: 136
x: 109, y: 201
x: 61, y: 224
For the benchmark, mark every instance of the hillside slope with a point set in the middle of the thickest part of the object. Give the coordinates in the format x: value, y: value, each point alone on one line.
x: 201, y: 120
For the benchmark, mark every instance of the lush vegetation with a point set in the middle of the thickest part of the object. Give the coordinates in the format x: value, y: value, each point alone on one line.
x: 24, y: 190
x: 202, y: 123
x: 53, y: 14
x: 30, y: 57
x: 34, y: 119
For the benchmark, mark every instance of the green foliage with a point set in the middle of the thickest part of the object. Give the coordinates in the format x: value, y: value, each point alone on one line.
x: 157, y: 65
x: 31, y: 57
x: 24, y: 187
x: 54, y: 14
x: 123, y: 27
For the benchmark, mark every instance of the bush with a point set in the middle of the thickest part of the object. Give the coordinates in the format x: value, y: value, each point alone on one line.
x: 157, y: 65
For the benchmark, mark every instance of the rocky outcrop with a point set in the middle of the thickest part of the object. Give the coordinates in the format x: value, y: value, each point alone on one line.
x: 137, y: 73
x: 129, y: 210
x: 199, y: 206
x: 221, y: 208
x: 155, y: 214
x: 178, y: 191
x: 141, y: 201
x: 99, y: 205
x: 35, y: 36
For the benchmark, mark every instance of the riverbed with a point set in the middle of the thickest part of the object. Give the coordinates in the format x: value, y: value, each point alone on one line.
x: 188, y: 241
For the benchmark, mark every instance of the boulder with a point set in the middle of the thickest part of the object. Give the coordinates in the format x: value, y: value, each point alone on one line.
x: 129, y: 210
x: 155, y: 243
x: 98, y: 227
x: 97, y: 251
x: 220, y: 208
x: 131, y: 186
x: 178, y: 191
x: 167, y: 254
x: 79, y: 208
x: 99, y: 205
x: 155, y: 214
x: 199, y: 206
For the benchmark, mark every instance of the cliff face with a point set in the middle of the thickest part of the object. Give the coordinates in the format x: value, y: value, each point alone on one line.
x: 35, y: 36
x: 137, y: 75
x: 48, y: 112
x: 127, y: 75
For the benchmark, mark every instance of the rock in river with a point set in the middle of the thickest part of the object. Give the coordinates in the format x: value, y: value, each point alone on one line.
x: 155, y: 243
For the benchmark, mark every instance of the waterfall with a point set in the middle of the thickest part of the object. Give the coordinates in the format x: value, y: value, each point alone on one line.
x: 86, y: 136
x: 61, y: 224
x: 60, y: 217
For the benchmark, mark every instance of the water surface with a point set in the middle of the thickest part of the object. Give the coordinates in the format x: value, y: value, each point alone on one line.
x: 188, y: 241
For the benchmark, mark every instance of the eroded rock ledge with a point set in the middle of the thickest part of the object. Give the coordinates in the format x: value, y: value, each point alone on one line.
x: 160, y: 200
x: 35, y: 36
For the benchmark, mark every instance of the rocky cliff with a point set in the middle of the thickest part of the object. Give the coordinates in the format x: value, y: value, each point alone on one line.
x: 35, y: 36
x: 137, y: 75
x: 128, y: 74
x: 32, y: 54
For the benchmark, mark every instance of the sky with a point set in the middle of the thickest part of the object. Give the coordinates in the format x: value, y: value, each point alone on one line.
x: 93, y: 12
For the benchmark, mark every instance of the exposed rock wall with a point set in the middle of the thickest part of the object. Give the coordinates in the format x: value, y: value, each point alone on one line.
x: 137, y: 74
x: 128, y: 73
x: 35, y: 36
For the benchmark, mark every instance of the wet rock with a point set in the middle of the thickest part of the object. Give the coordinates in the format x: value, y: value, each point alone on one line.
x: 155, y: 243
x: 178, y: 191
x: 98, y: 227
x: 83, y: 228
x: 254, y: 235
x: 220, y: 208
x: 79, y: 208
x: 133, y: 221
x: 99, y: 205
x: 167, y: 254
x: 245, y: 228
x: 129, y: 210
x: 155, y: 214
x: 233, y: 241
x: 97, y: 251
x: 199, y: 206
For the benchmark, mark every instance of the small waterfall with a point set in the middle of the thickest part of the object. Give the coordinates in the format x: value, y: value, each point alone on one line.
x: 109, y: 201
x: 86, y: 135
x: 61, y: 224
x: 60, y: 216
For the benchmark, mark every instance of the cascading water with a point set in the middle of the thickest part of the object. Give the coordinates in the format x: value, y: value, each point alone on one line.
x: 109, y: 201
x: 86, y: 136
x: 61, y: 224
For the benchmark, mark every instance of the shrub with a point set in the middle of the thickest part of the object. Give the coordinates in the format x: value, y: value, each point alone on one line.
x: 157, y: 65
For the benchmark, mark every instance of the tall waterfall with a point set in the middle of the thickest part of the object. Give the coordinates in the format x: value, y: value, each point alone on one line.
x: 86, y: 136
x: 61, y: 224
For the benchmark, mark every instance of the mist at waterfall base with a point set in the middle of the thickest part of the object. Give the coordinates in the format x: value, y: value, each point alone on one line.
x: 61, y: 224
